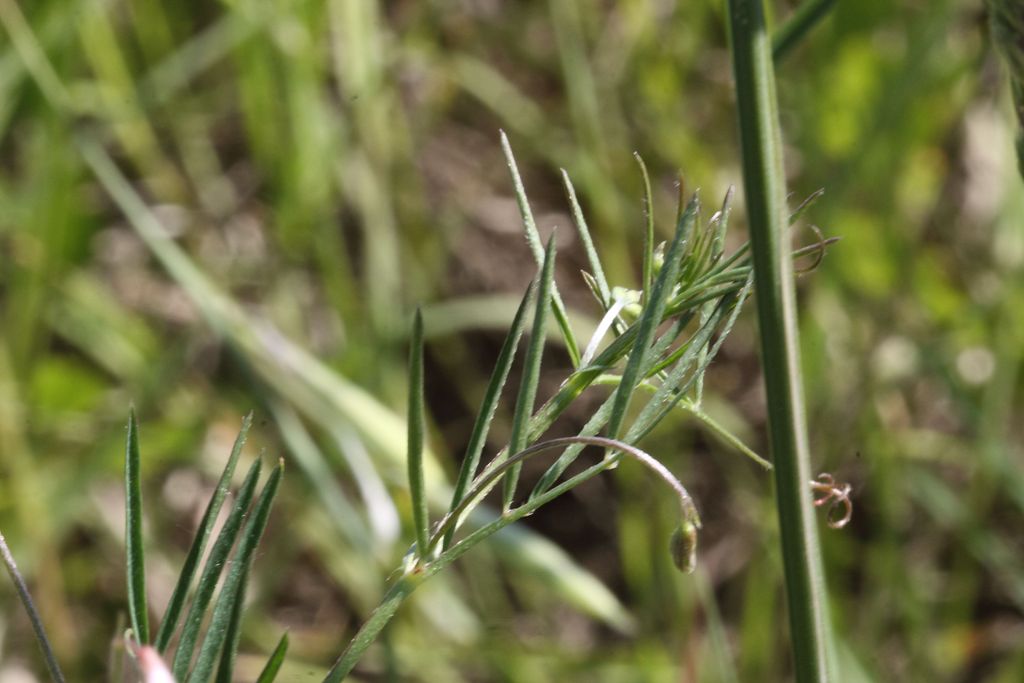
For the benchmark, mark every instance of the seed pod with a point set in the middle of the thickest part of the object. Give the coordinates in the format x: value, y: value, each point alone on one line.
x: 683, y: 546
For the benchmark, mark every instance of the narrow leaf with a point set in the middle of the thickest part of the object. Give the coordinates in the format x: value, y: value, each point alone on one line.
x: 489, y: 405
x: 600, y: 417
x: 273, y: 664
x: 229, y: 593
x: 531, y: 372
x: 673, y: 386
x: 195, y: 553
x: 648, y: 263
x: 211, y: 573
x: 414, y: 458
x: 135, y: 565
x: 600, y: 282
x: 651, y: 318
x: 533, y: 240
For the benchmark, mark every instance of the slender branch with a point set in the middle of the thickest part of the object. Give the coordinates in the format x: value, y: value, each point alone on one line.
x: 416, y: 572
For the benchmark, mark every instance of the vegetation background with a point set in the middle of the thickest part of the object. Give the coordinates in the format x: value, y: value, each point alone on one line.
x: 328, y: 165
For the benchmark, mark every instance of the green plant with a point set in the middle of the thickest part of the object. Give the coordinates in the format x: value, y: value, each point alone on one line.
x: 765, y: 185
x: 664, y: 337
x: 664, y: 340
x: 694, y: 290
x: 244, y: 524
x: 692, y: 287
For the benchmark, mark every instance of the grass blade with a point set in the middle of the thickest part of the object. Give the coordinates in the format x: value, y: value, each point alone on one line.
x: 211, y: 573
x: 195, y: 553
x: 30, y: 608
x: 533, y: 239
x: 135, y: 555
x: 651, y: 318
x: 417, y: 486
x: 648, y: 264
x: 764, y: 183
x: 230, y: 591
x: 482, y: 425
x: 273, y: 664
x: 603, y: 291
x: 531, y: 372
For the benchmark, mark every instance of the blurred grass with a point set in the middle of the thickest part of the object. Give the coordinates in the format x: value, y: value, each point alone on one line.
x: 328, y: 166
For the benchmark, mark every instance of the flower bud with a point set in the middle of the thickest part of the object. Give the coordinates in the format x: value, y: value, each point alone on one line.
x: 683, y: 546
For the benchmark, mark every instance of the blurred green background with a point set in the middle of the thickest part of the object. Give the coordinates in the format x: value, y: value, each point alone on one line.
x: 211, y: 208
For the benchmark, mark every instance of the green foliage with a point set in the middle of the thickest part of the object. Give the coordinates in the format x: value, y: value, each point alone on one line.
x: 203, y: 210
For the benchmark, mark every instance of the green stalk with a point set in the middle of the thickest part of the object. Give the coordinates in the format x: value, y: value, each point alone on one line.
x: 764, y: 182
x: 370, y: 629
x: 417, y: 574
x: 30, y: 608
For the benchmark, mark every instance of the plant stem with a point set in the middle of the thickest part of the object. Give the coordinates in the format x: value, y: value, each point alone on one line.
x: 30, y: 608
x: 369, y: 631
x: 764, y: 182
x: 420, y: 572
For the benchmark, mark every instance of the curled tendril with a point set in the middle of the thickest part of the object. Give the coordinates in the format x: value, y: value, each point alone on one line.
x: 836, y: 496
x: 818, y: 248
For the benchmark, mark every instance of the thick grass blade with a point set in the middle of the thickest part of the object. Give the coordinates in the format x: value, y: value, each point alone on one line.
x: 533, y: 240
x: 211, y: 573
x: 764, y: 184
x: 499, y: 376
x: 230, y: 592
x: 648, y: 263
x: 603, y: 291
x: 531, y: 373
x: 30, y: 608
x: 796, y: 28
x: 195, y: 553
x: 651, y: 318
x: 135, y: 555
x: 417, y: 428
x: 273, y: 664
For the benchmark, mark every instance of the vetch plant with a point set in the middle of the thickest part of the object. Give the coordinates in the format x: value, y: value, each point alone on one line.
x: 663, y: 337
